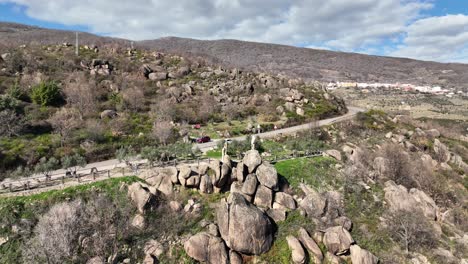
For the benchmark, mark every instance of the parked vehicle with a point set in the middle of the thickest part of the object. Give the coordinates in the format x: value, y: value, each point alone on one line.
x: 203, y: 139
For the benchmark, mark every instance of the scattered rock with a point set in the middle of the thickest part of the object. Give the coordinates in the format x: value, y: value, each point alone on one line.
x: 108, y: 114
x: 334, y: 154
x: 313, y: 204
x: 175, y: 206
x: 285, y: 200
x: 310, y: 245
x: 96, y: 260
x: 158, y: 76
x: 297, y: 252
x: 206, y: 248
x: 141, y: 196
x: 442, y: 152
x: 153, y: 248
x: 138, y: 221
x: 337, y: 240
x: 361, y: 256
x: 433, y: 133
x: 300, y: 111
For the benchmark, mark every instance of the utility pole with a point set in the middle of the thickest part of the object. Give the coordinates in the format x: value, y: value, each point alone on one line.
x: 77, y: 47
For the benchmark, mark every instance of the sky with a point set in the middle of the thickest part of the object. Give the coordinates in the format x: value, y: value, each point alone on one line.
x: 435, y: 30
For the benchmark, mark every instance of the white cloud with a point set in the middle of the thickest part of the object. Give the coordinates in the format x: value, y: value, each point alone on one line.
x: 345, y: 22
x: 442, y: 38
x: 350, y: 25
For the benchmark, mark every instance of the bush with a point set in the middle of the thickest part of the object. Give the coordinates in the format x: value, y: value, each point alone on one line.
x: 46, y: 93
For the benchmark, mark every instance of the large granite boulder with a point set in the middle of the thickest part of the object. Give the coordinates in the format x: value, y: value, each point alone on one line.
x: 250, y: 185
x: 310, y: 245
x: 313, y: 203
x: 263, y: 197
x: 285, y: 200
x: 442, y: 151
x: 251, y: 160
x: 337, y: 240
x: 297, y: 252
x: 267, y: 175
x: 159, y: 178
x: 399, y: 198
x: 244, y: 227
x: 141, y: 196
x: 207, y: 248
x: 362, y: 256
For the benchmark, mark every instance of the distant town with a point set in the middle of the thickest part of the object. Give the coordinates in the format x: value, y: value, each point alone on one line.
x: 366, y: 87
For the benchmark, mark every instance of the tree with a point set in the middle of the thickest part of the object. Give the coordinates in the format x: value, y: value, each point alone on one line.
x: 46, y: 93
x: 11, y: 123
x: 398, y: 165
x: 134, y: 98
x: 21, y: 172
x: 56, y: 235
x: 64, y: 122
x: 46, y: 166
x: 410, y: 229
x: 129, y: 156
x: 73, y: 162
x: 71, y: 232
x: 163, y: 130
x: 152, y: 154
x: 81, y: 94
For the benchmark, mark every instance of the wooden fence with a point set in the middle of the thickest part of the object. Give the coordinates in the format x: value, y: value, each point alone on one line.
x: 86, y: 176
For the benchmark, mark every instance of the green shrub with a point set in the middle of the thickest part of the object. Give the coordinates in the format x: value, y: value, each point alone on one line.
x: 46, y: 93
x: 8, y: 103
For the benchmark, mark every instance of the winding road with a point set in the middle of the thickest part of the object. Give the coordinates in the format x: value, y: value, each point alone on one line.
x: 204, y: 147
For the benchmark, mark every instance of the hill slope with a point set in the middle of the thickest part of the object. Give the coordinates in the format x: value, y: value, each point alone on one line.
x: 318, y: 64
x: 307, y: 63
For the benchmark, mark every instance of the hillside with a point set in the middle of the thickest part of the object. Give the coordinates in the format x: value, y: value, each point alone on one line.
x: 310, y: 64
x: 388, y: 190
x: 109, y: 97
x: 319, y: 65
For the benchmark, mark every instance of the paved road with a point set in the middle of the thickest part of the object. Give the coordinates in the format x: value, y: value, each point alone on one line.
x: 204, y: 147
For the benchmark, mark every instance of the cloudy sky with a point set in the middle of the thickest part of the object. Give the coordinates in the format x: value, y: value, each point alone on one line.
x: 422, y: 29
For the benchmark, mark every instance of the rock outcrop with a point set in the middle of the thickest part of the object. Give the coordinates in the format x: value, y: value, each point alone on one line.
x: 399, y: 198
x: 207, y: 248
x: 337, y: 240
x: 362, y: 256
x: 141, y: 196
x: 297, y: 252
x: 244, y: 227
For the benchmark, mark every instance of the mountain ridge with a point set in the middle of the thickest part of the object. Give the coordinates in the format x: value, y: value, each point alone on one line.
x: 306, y: 63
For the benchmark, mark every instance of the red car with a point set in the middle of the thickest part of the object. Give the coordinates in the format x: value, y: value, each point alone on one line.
x: 203, y: 139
